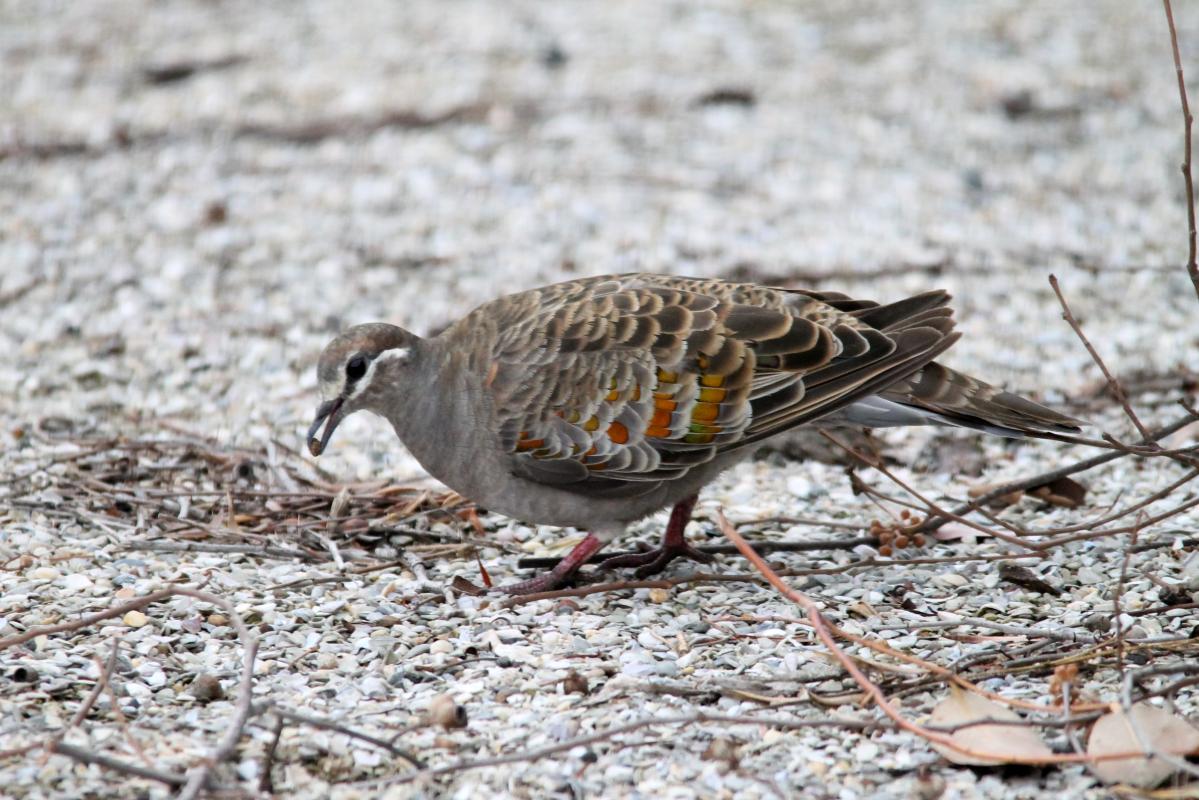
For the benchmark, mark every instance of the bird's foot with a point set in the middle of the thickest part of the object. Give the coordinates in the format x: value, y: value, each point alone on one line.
x: 545, y: 582
x: 563, y: 572
x: 655, y: 560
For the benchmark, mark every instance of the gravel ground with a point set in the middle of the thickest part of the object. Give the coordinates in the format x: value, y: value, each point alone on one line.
x: 194, y: 196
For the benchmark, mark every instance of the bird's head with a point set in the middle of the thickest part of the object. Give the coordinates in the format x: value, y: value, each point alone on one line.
x: 354, y: 372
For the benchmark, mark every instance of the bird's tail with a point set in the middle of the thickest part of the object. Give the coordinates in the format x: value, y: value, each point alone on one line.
x: 937, y: 395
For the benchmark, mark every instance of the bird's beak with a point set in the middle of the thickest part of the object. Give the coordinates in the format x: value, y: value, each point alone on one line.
x: 328, y: 412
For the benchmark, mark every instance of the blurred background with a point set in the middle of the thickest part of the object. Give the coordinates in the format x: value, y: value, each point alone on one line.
x: 196, y: 194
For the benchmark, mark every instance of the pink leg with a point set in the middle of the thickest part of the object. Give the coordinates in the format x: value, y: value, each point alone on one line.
x: 562, y: 572
x: 673, y: 546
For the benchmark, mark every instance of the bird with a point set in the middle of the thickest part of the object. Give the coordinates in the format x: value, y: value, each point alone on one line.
x: 595, y: 402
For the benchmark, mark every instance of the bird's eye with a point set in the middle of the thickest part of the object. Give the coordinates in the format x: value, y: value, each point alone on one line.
x: 355, y: 368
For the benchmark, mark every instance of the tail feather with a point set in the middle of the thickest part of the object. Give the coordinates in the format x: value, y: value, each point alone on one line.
x: 953, y: 398
x: 935, y: 394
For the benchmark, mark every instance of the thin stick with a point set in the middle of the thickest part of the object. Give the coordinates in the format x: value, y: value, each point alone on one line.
x: 265, y: 782
x: 932, y: 507
x: 824, y: 631
x: 92, y: 696
x: 1187, y: 120
x: 609, y: 733
x: 90, y: 619
x: 932, y: 523
x: 334, y: 725
x: 751, y: 577
x: 1119, y: 591
x: 198, y: 777
x: 261, y: 551
x: 722, y: 550
x: 88, y: 757
x: 1112, y: 383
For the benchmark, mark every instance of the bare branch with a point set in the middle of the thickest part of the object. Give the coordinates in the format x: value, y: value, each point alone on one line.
x: 1113, y: 384
x: 86, y: 706
x: 1187, y: 120
x: 88, y: 757
x: 198, y: 777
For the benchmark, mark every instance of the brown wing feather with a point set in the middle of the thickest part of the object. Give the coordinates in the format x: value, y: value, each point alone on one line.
x: 638, y: 378
x: 621, y: 380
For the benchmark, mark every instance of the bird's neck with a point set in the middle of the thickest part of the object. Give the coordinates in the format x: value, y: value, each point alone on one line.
x: 431, y: 411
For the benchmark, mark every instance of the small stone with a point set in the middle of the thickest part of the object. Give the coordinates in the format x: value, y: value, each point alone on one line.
x: 373, y: 686
x: 574, y: 683
x: 218, y: 619
x: 206, y: 688
x: 135, y: 619
x: 77, y: 583
x: 800, y: 486
x: 442, y: 647
x: 44, y: 574
x: 659, y: 595
x: 866, y: 752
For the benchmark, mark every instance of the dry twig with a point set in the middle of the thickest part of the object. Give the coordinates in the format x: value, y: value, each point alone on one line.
x: 1187, y: 121
x: 1116, y: 389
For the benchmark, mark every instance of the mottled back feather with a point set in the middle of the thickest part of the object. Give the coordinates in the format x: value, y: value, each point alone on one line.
x: 608, y: 384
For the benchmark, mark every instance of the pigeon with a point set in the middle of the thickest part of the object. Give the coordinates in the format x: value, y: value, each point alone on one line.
x: 596, y: 402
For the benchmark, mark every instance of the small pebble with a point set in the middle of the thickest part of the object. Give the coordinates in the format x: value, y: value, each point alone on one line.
x: 206, y: 688
x: 135, y: 619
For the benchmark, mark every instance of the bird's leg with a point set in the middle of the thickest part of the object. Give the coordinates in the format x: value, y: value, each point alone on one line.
x: 673, y: 546
x: 563, y: 571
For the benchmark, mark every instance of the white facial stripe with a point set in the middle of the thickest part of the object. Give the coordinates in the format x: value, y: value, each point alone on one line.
x: 394, y: 354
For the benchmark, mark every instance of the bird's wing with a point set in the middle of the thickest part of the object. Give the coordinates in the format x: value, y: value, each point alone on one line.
x: 633, y: 378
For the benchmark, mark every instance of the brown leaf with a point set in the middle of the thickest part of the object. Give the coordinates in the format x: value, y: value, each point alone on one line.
x: 1009, y: 499
x: 1063, y: 492
x: 483, y: 574
x: 862, y: 609
x: 1182, y: 437
x: 1163, y: 732
x: 1009, y: 742
x: 463, y: 586
x: 1026, y: 578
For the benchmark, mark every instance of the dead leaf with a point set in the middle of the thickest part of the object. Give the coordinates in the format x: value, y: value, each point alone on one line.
x: 862, y: 609
x: 1063, y: 492
x: 463, y: 586
x: 1009, y: 499
x: 1163, y: 731
x: 483, y: 574
x: 340, y: 504
x: 1010, y: 742
x: 1026, y: 578
x: 1182, y: 437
